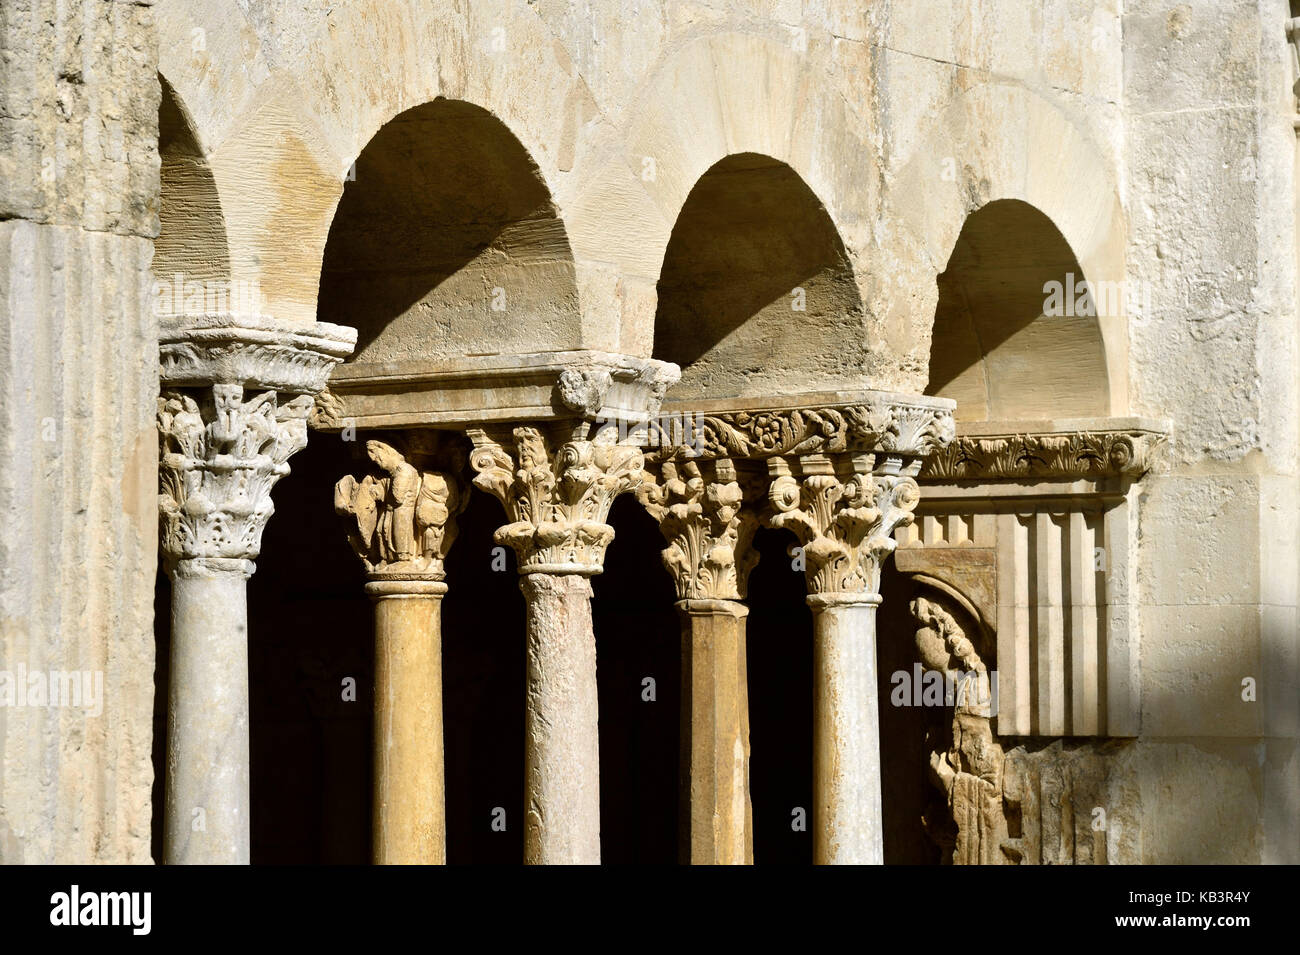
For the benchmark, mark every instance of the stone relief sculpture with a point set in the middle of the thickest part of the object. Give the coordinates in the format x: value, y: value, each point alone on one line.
x: 969, y: 772
x: 400, y: 515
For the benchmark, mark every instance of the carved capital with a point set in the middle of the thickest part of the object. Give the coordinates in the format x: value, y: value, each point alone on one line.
x: 221, y: 452
x: 709, y: 532
x: 844, y: 514
x: 401, y: 520
x: 557, y: 500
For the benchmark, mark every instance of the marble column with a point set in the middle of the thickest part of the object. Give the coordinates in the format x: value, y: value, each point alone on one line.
x: 709, y: 533
x: 557, y: 491
x: 401, y: 523
x: 844, y: 508
x: 236, y: 393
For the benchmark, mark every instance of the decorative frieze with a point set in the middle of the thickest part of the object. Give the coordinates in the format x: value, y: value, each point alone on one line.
x: 1056, y: 456
x: 882, y: 423
x: 699, y: 507
x: 557, y: 500
x: 844, y: 514
x: 401, y: 519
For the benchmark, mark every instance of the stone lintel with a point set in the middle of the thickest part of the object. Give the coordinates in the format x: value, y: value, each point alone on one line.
x: 496, y: 389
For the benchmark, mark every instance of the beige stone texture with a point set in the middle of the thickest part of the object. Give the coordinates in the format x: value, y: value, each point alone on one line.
x: 823, y: 230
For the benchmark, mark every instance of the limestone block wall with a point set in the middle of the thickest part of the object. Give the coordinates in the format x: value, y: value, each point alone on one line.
x: 1209, y: 177
x: 78, y: 444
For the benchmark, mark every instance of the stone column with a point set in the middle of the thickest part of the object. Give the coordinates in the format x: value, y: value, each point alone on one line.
x: 558, y: 503
x: 844, y: 508
x: 236, y: 393
x: 401, y: 524
x: 698, y: 506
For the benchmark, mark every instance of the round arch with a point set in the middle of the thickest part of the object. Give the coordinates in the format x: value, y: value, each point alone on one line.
x: 756, y: 295
x: 1016, y: 335
x: 1002, y: 142
x: 446, y: 243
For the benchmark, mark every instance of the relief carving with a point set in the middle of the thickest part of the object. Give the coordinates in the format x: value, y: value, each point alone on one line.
x: 1073, y: 456
x: 558, y: 501
x: 221, y: 453
x: 401, y: 518
x: 845, y: 524
x: 709, y: 532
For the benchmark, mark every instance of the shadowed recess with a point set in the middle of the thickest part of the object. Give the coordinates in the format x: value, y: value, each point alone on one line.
x: 1002, y: 347
x: 756, y: 294
x: 191, y: 240
x: 446, y: 243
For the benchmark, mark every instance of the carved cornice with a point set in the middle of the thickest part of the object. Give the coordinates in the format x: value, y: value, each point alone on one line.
x: 221, y: 453
x: 558, y: 501
x: 401, y: 519
x: 493, y: 391
x: 889, y: 424
x: 253, y: 351
x: 1073, y: 455
x: 709, y: 532
x: 844, y: 515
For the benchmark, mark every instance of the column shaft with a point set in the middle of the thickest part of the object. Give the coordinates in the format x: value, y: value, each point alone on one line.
x: 718, y: 819
x: 409, y: 821
x: 562, y: 760
x: 846, y: 725
x: 207, y: 804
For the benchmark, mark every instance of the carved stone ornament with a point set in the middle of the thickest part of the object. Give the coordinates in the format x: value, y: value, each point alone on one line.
x: 709, y: 533
x: 221, y: 453
x: 968, y: 772
x: 252, y: 350
x: 880, y: 425
x: 844, y: 521
x: 401, y: 519
x: 1065, y: 456
x: 558, y: 500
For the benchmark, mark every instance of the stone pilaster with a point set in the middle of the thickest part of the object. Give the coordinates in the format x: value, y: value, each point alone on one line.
x: 557, y: 495
x: 402, y: 524
x: 235, y: 398
x: 709, y: 534
x: 843, y: 509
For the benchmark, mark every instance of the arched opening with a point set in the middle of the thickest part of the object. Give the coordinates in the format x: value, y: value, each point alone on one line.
x: 446, y: 243
x: 756, y: 294
x: 1015, y: 331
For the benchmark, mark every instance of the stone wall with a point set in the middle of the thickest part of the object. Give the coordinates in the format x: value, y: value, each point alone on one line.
x: 78, y: 444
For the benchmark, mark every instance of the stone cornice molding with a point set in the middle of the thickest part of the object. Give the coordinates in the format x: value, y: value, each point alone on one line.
x: 251, y: 350
x: 557, y: 499
x: 844, y: 512
x: 222, y: 451
x: 909, y: 426
x: 699, y: 507
x: 496, y: 390
x: 1050, y: 455
x: 401, y: 519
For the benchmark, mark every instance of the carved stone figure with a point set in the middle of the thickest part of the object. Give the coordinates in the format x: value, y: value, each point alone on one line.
x: 401, y: 517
